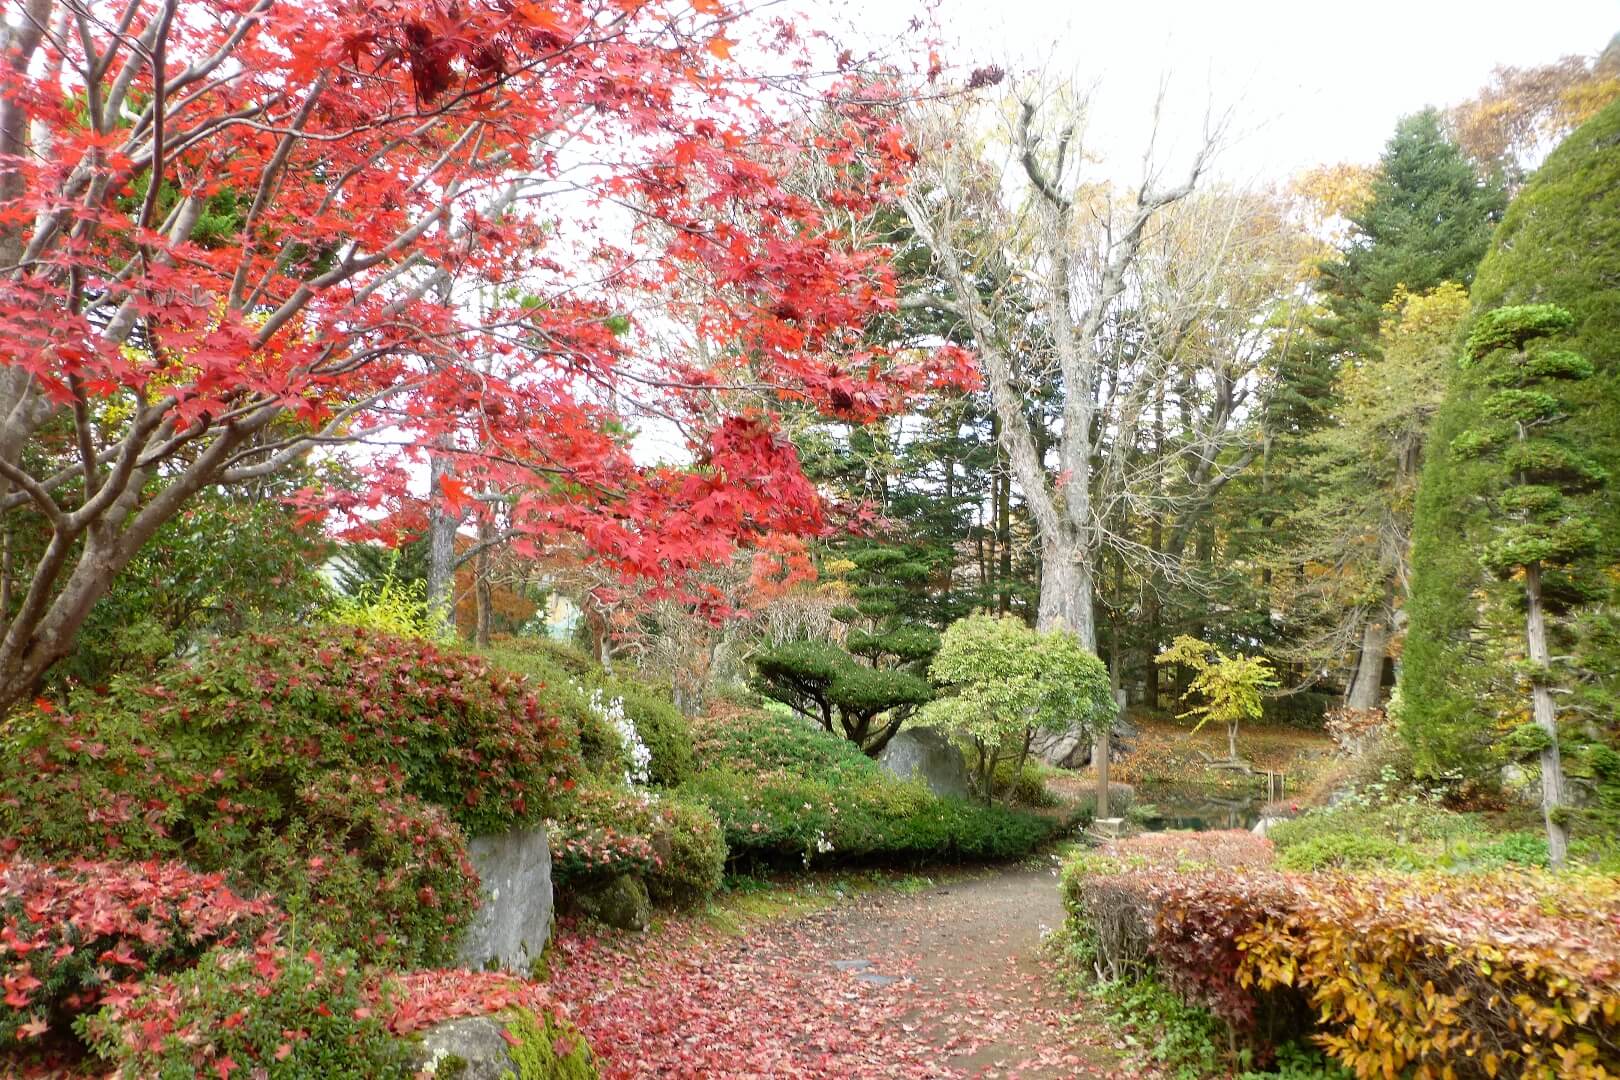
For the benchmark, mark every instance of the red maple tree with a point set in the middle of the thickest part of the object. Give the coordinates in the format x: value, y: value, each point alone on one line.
x: 234, y: 231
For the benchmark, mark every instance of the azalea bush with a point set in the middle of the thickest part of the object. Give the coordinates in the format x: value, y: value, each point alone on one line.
x: 78, y: 935
x: 385, y: 872
x: 341, y: 769
x: 566, y: 680
x: 208, y: 752
x: 675, y: 846
x: 266, y: 1011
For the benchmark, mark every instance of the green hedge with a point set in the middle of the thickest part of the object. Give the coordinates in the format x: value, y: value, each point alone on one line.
x: 787, y: 792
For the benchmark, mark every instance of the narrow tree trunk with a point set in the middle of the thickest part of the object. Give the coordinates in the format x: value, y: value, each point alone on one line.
x: 441, y: 549
x: 481, y: 585
x: 1366, y: 686
x: 1003, y: 519
x: 1546, y: 717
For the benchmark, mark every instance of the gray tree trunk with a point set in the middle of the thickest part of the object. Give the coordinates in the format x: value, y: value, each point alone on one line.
x: 1546, y: 718
x: 1366, y: 686
x: 441, y: 581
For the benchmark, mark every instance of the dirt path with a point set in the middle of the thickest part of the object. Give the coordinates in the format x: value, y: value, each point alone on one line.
x: 968, y: 956
x: 942, y: 982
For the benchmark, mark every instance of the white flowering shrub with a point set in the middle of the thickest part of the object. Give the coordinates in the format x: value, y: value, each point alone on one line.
x: 637, y: 758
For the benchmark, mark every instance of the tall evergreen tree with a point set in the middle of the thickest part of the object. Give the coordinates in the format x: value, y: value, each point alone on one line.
x: 1463, y: 682
x: 1429, y: 221
x: 1426, y: 224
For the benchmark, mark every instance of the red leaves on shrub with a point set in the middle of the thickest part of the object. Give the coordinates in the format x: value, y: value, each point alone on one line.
x: 79, y: 935
x: 420, y: 999
x: 1431, y: 974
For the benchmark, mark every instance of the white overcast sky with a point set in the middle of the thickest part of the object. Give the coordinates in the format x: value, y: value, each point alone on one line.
x: 1310, y: 83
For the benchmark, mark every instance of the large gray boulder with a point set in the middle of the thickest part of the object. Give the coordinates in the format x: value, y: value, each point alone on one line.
x: 470, y: 1048
x: 1072, y: 749
x: 927, y: 754
x: 512, y: 924
x: 1062, y: 749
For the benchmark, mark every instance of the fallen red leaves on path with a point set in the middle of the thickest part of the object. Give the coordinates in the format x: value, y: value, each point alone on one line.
x: 945, y: 985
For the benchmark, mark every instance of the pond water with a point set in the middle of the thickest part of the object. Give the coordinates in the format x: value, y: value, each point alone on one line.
x: 1181, y: 808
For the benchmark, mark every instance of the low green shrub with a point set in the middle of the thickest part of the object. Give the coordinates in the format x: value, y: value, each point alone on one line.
x: 1406, y: 822
x: 764, y: 741
x: 676, y: 846
x: 1023, y: 787
x: 386, y: 873
x: 779, y: 817
x: 1347, y: 851
x: 269, y: 1011
x: 1512, y: 849
x: 1297, y: 1061
x: 695, y: 865
x: 1180, y: 1037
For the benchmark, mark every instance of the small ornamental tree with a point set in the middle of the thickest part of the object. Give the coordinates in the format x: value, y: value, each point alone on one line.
x: 1008, y: 682
x: 1231, y: 686
x: 1545, y: 530
x: 821, y: 681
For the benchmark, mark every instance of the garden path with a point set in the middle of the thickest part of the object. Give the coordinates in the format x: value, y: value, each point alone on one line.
x: 943, y: 982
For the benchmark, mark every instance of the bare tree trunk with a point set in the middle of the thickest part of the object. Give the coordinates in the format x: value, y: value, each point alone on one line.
x: 1546, y: 717
x: 441, y: 579
x: 1066, y: 590
x: 1366, y: 686
x: 481, y: 584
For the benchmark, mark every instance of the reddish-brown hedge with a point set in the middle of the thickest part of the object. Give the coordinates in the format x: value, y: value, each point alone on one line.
x: 1430, y: 975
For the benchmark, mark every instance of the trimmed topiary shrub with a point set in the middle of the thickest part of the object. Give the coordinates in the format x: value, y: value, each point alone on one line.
x: 1462, y: 682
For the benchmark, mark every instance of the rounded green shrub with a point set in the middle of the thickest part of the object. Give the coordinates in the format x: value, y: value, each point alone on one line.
x: 786, y: 791
x: 661, y: 727
x: 1346, y: 851
x: 692, y: 870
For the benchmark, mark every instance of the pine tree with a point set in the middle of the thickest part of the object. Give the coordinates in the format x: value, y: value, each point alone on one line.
x: 1545, y: 533
x: 1429, y: 221
x: 1463, y: 678
x: 1422, y: 231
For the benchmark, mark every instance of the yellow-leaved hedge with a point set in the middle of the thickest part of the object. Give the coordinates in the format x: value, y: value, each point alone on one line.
x: 1506, y: 974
